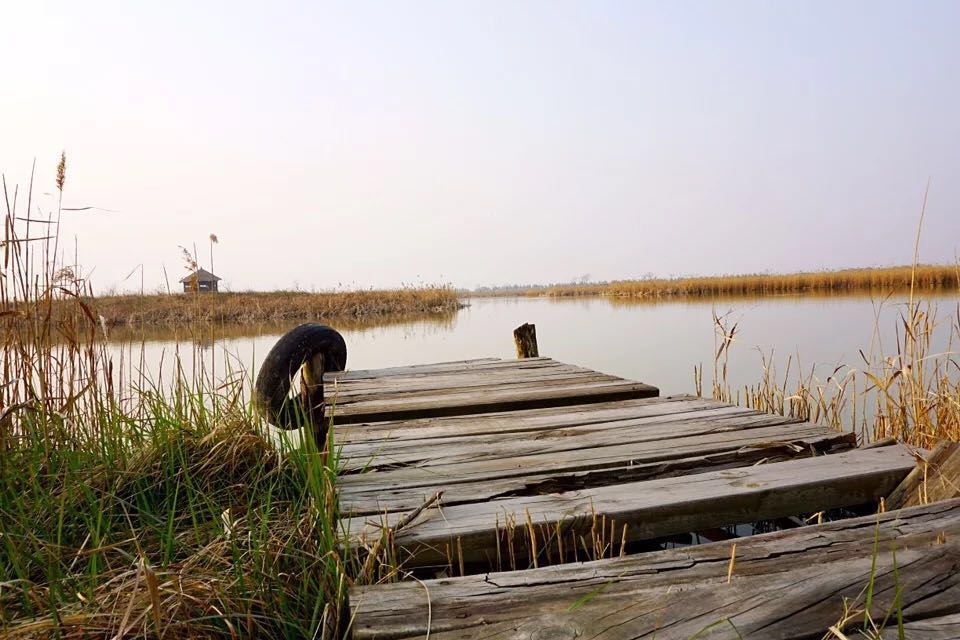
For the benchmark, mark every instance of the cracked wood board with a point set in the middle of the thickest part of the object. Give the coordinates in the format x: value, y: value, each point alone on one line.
x: 483, y: 456
x: 522, y: 420
x: 788, y: 584
x: 463, y: 388
x: 567, y: 429
x: 939, y: 628
x: 417, y: 463
x: 648, y: 452
x: 650, y: 509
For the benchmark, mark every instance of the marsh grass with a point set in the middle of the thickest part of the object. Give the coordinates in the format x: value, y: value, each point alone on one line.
x: 908, y: 390
x: 879, y: 281
x: 911, y: 393
x: 275, y: 306
x: 198, y: 529
x: 131, y: 510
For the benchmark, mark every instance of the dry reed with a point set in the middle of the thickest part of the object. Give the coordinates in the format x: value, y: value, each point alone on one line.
x: 911, y: 393
x: 275, y: 306
x: 880, y: 280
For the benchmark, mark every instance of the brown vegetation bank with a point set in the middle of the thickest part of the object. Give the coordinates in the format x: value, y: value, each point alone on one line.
x: 843, y: 281
x: 275, y: 306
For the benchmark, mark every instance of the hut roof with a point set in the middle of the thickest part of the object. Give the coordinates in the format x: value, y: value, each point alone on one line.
x: 201, y: 275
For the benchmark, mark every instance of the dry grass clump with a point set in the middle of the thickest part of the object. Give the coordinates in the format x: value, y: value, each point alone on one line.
x: 911, y: 394
x: 129, y: 510
x: 274, y: 306
x: 888, y: 279
x: 520, y: 545
x: 201, y: 532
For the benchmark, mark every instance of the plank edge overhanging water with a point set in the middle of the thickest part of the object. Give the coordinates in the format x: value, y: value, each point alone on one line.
x: 686, y: 589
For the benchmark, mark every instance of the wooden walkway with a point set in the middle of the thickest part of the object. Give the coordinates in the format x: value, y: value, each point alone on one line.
x: 541, y: 466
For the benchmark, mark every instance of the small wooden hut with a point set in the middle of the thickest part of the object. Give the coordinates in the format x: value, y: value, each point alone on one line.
x: 200, y: 280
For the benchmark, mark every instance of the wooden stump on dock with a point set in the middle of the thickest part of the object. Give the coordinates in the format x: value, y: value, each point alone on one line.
x: 525, y: 339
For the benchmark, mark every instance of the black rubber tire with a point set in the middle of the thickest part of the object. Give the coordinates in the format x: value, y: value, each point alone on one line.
x: 272, y: 389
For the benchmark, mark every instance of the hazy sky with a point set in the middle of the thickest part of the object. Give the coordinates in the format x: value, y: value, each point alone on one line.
x: 374, y: 144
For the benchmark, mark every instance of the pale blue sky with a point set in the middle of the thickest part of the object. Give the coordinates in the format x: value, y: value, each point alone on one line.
x: 372, y: 144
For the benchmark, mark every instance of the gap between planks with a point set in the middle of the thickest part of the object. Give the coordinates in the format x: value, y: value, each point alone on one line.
x: 787, y: 584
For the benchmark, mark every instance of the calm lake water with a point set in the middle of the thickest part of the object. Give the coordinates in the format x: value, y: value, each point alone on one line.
x: 657, y: 343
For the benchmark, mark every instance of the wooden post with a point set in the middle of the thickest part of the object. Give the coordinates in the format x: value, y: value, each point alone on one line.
x: 311, y: 397
x: 525, y: 339
x: 935, y: 478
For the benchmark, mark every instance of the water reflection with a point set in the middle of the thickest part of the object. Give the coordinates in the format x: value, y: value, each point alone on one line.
x: 206, y: 335
x: 658, y: 342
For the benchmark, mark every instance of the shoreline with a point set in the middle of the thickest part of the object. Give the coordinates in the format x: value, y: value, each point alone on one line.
x: 179, y: 309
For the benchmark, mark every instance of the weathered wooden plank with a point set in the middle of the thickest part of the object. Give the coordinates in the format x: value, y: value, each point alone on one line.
x: 408, y: 369
x: 655, y: 508
x: 788, y: 584
x: 435, y: 367
x: 442, y: 380
x: 940, y: 628
x: 750, y: 430
x: 503, y: 422
x: 936, y: 477
x: 473, y: 384
x: 518, y: 426
x: 461, y: 403
x: 462, y: 388
x: 762, y: 432
x: 660, y: 433
x: 463, y: 379
x: 724, y: 453
x: 390, y: 399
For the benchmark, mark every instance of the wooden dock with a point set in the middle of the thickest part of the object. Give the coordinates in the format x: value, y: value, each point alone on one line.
x: 570, y: 504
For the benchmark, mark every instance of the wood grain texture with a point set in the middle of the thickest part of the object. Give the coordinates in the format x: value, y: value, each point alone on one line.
x: 503, y: 422
x: 788, y: 584
x: 936, y: 477
x: 940, y: 628
x: 654, y: 508
x: 584, y: 447
x: 463, y: 388
x: 553, y: 469
x: 525, y: 340
x: 530, y: 452
x: 698, y: 421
